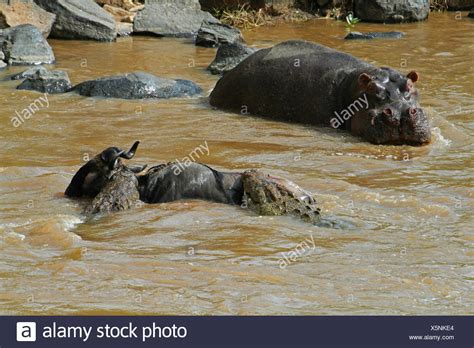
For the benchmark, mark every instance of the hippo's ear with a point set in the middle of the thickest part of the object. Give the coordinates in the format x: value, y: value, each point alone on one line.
x: 368, y: 85
x: 413, y: 75
x: 364, y: 80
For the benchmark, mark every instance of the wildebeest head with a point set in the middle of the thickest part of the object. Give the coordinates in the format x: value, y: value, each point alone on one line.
x: 393, y: 114
x: 92, y: 176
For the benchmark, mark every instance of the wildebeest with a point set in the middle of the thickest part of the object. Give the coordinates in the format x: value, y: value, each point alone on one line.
x: 115, y: 186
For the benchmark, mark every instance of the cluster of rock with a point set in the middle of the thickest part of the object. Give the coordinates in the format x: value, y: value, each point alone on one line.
x: 26, y: 44
x: 137, y: 85
x: 65, y: 19
x: 395, y: 11
x: 383, y: 11
x: 28, y: 23
x: 26, y: 12
x: 103, y: 20
x: 184, y: 18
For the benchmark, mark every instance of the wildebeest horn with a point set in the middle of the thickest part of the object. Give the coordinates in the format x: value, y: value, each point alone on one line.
x: 130, y: 153
x: 137, y: 168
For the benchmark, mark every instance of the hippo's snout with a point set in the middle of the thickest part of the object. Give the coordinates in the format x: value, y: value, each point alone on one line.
x: 398, y: 123
x: 415, y: 126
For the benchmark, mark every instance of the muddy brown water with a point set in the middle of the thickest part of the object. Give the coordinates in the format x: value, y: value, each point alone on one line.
x: 398, y: 234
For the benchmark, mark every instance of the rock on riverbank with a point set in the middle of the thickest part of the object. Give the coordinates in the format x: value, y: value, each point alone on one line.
x: 137, y: 85
x: 25, y: 45
x: 454, y: 5
x: 394, y: 11
x: 26, y: 12
x: 80, y: 19
x: 177, y: 18
x: 212, y: 34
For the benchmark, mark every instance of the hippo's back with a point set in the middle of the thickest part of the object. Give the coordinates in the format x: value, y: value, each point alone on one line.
x: 292, y: 81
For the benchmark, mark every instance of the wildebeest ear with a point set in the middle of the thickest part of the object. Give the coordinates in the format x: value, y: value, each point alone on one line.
x: 413, y: 75
x: 363, y: 80
x: 75, y: 187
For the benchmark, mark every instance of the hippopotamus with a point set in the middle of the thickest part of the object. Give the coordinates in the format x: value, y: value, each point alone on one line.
x: 115, y: 186
x: 304, y: 82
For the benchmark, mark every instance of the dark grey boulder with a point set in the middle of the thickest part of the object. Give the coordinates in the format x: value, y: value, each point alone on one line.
x: 459, y: 5
x: 355, y: 35
x: 228, y: 56
x: 137, y: 85
x: 80, y: 19
x: 25, y: 45
x: 212, y: 34
x: 393, y: 11
x: 176, y: 18
x: 47, y: 81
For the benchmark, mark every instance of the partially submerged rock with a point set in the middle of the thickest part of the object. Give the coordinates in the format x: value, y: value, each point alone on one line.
x: 25, y: 45
x: 268, y: 195
x: 47, y: 81
x: 26, y: 12
x: 228, y: 56
x: 394, y: 11
x: 176, y: 18
x: 355, y: 35
x: 80, y: 19
x: 137, y: 85
x: 212, y: 34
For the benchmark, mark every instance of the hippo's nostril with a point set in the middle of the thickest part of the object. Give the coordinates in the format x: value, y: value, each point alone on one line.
x: 389, y: 118
x: 412, y: 111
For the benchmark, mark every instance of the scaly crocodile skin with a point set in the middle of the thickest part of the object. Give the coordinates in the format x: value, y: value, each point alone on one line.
x: 267, y: 195
x: 120, y: 193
